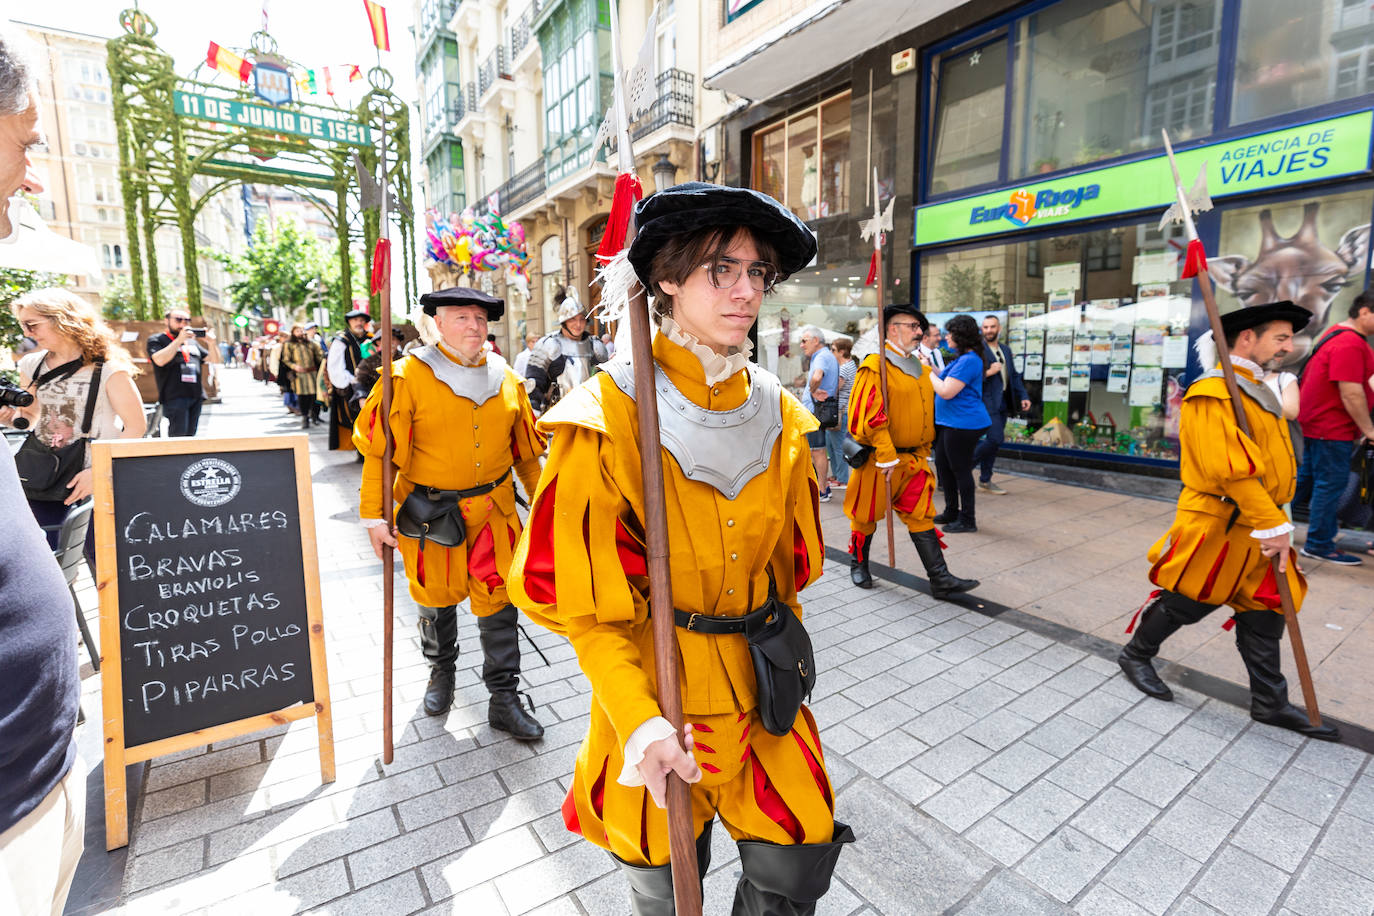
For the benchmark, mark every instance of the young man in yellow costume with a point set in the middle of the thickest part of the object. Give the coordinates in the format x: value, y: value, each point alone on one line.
x: 900, y: 432
x: 1230, y: 521
x: 461, y: 423
x: 742, y: 521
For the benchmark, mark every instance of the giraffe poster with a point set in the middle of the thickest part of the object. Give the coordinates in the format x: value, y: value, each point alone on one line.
x: 1314, y: 252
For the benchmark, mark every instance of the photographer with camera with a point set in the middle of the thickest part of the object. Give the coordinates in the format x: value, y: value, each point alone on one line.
x: 179, y: 356
x: 83, y: 388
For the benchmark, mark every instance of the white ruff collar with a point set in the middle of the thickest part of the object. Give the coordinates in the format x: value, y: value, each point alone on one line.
x: 718, y: 368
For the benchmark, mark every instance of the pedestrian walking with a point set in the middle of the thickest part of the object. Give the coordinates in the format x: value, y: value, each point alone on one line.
x: 842, y: 348
x: 1003, y: 394
x: 898, y: 431
x: 302, y: 356
x: 1230, y: 522
x: 820, y: 385
x: 745, y: 536
x: 960, y: 421
x: 462, y: 424
x: 522, y: 359
x: 83, y: 388
x: 179, y: 357
x: 341, y: 364
x: 929, y: 348
x: 1335, y: 395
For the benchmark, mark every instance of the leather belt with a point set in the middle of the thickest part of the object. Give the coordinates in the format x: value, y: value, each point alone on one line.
x: 913, y: 450
x: 482, y: 490
x: 719, y: 626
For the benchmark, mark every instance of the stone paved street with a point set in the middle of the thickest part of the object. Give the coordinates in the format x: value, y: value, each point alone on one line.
x: 986, y: 768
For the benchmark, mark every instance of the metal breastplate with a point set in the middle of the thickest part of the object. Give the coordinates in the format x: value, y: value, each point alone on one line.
x: 1261, y: 393
x: 478, y: 384
x: 723, y: 448
x: 909, y: 365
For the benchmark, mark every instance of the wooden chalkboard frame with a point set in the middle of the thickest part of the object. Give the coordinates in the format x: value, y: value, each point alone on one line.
x: 117, y: 756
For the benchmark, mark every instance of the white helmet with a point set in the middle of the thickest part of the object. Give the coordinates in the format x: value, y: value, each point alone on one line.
x: 569, y: 307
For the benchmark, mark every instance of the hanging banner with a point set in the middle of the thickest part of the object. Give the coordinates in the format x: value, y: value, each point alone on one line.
x: 1293, y: 155
x: 262, y: 117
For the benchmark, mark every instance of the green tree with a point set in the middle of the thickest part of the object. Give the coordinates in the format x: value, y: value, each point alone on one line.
x: 961, y: 289
x: 13, y: 284
x: 284, y: 263
x: 117, y: 299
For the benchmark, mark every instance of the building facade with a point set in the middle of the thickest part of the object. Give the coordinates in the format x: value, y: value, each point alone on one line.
x: 1022, y: 142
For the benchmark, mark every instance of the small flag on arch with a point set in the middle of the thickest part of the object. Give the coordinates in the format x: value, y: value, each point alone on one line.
x: 355, y: 73
x: 376, y: 17
x: 229, y: 62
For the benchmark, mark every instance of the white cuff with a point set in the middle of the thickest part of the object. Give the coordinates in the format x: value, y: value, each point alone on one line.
x: 651, y: 730
x: 889, y: 464
x: 372, y: 522
x: 1272, y: 532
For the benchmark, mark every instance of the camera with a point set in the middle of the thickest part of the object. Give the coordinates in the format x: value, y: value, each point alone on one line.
x: 11, y: 395
x: 199, y: 332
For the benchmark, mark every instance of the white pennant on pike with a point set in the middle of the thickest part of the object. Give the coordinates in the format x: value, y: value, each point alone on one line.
x: 1199, y: 201
x: 639, y: 87
x: 881, y: 220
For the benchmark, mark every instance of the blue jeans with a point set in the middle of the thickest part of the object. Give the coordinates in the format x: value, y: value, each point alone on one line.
x: 1321, y: 479
x: 834, y: 447
x: 183, y: 415
x: 985, y: 452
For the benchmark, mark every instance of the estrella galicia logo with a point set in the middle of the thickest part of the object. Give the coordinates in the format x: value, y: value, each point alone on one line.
x: 1024, y: 206
x: 211, y: 482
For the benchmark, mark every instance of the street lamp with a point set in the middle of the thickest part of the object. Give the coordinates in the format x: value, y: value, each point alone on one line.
x: 665, y: 173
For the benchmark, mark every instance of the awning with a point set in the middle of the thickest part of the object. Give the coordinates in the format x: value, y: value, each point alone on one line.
x: 822, y: 36
x: 33, y: 246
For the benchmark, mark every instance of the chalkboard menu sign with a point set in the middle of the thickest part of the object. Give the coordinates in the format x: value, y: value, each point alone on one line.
x: 209, y: 583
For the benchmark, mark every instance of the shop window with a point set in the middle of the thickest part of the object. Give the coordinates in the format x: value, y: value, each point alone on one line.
x: 1311, y: 251
x: 969, y: 103
x: 804, y: 161
x: 1098, y: 323
x: 1291, y: 56
x: 1095, y: 79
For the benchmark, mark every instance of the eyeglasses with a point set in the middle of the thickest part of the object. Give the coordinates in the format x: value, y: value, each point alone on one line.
x: 902, y: 324
x: 724, y: 273
x: 178, y: 319
x: 31, y: 326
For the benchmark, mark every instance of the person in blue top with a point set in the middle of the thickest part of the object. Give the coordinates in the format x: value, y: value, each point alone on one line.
x: 822, y: 383
x: 960, y: 421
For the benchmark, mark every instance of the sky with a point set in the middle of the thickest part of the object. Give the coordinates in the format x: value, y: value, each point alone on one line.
x: 314, y: 33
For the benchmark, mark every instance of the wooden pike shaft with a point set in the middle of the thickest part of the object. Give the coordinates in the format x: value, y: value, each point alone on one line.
x: 682, y: 849
x: 388, y: 477
x: 882, y: 390
x: 1290, y: 614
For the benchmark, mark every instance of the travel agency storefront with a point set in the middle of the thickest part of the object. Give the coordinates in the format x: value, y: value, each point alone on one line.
x: 1043, y: 180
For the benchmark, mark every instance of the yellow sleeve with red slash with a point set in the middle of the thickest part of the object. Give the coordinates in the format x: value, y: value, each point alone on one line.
x: 526, y: 442
x: 868, y: 422
x: 370, y: 441
x: 1219, y: 459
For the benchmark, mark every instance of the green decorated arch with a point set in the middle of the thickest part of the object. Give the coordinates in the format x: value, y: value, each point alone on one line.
x: 171, y: 129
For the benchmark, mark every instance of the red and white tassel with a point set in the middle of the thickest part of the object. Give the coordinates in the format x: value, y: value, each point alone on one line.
x: 1130, y: 627
x: 1196, y: 259
x: 628, y: 192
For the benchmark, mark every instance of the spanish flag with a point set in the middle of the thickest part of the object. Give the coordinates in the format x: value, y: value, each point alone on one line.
x: 376, y: 16
x: 228, y: 61
x: 355, y: 73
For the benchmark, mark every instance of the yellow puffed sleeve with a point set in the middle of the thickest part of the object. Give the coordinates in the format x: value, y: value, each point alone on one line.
x: 526, y: 442
x: 370, y: 441
x: 800, y: 552
x: 868, y: 422
x: 1220, y: 459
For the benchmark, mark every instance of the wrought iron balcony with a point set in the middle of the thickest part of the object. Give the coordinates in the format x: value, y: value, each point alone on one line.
x: 496, y: 66
x: 674, y: 99
x: 522, y: 32
x: 527, y: 185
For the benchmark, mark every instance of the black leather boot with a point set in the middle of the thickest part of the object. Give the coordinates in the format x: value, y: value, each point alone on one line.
x: 1257, y: 638
x: 651, y: 886
x: 942, y: 582
x: 859, y: 544
x: 1160, y: 619
x: 439, y: 643
x: 786, y: 880
x: 501, y: 674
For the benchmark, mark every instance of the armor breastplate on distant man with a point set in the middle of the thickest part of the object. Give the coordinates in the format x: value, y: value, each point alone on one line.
x: 566, y: 358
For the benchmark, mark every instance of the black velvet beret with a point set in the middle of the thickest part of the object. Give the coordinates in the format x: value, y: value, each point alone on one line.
x: 463, y: 295
x: 905, y: 308
x: 696, y: 205
x: 357, y: 313
x: 1252, y: 316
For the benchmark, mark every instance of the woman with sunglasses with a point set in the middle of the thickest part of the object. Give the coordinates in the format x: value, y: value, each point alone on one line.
x: 73, y: 345
x: 960, y: 421
x: 743, y: 525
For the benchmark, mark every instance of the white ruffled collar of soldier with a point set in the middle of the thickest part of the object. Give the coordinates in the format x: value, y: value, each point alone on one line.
x: 718, y: 368
x: 1255, y: 368
x: 455, y: 357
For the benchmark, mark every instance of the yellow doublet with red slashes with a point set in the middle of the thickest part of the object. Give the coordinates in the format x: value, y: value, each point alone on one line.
x: 1208, y: 554
x: 906, y: 421
x: 452, y: 443
x: 580, y: 571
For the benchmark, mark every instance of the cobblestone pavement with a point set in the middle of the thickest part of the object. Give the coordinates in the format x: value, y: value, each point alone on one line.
x: 985, y: 768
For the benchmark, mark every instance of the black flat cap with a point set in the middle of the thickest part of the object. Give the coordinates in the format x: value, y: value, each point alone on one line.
x: 696, y: 205
x: 463, y: 295
x: 905, y: 308
x: 1252, y: 316
x: 357, y: 313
